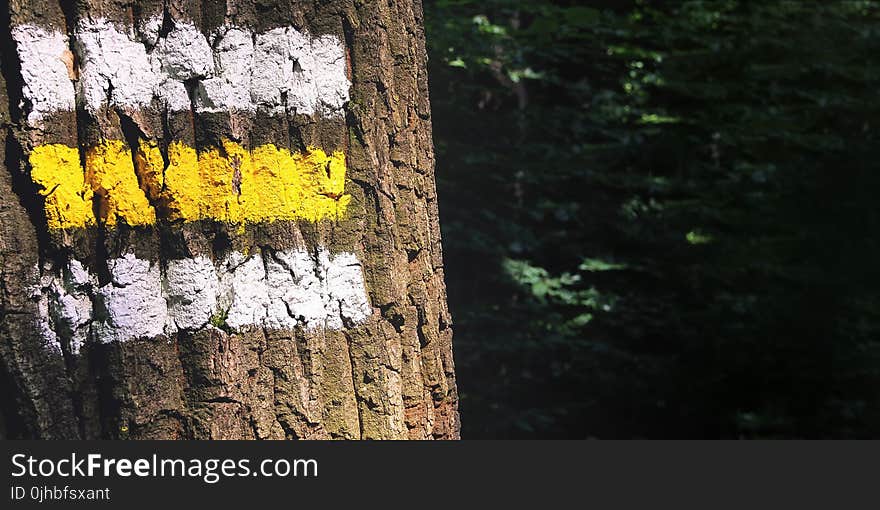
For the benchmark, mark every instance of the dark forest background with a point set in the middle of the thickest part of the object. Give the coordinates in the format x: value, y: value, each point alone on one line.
x: 661, y: 219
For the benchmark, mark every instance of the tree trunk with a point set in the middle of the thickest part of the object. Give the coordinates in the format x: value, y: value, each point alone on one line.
x: 219, y: 220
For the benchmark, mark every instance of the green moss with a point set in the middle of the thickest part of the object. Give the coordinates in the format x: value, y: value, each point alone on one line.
x: 218, y: 320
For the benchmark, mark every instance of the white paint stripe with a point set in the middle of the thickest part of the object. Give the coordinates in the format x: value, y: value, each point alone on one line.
x: 191, y: 289
x: 133, y: 301
x: 282, y: 70
x: 44, y: 58
x: 64, y: 308
x: 281, y: 290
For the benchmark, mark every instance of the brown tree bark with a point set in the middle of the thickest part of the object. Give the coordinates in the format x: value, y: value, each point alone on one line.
x: 387, y: 376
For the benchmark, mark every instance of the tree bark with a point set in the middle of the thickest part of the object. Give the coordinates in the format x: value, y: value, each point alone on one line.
x: 138, y: 301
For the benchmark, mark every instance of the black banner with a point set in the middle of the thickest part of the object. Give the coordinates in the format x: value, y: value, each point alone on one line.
x: 427, y: 474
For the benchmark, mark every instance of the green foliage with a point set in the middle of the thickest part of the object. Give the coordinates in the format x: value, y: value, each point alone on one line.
x: 218, y: 320
x: 562, y: 290
x: 659, y: 218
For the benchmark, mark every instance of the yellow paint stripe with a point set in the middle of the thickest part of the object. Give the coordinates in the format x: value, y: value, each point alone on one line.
x: 109, y: 171
x: 56, y: 169
x: 231, y: 185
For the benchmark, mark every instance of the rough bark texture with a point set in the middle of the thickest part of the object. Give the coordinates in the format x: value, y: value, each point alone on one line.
x: 390, y: 376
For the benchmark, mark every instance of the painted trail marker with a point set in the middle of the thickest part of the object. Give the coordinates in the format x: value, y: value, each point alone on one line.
x: 236, y: 186
x: 281, y: 71
x: 277, y: 290
x: 276, y: 72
